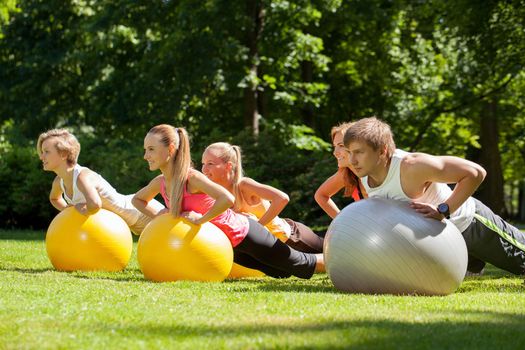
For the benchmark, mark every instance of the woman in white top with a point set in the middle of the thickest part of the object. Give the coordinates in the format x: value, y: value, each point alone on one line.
x: 221, y: 163
x: 81, y: 187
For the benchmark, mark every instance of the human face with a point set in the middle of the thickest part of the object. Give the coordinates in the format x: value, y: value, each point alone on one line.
x: 364, y: 160
x: 215, y: 168
x: 340, y: 152
x: 50, y: 157
x: 156, y: 153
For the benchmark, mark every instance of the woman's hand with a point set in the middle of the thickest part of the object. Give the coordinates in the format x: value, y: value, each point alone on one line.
x: 193, y: 217
x: 82, y: 208
x: 162, y: 211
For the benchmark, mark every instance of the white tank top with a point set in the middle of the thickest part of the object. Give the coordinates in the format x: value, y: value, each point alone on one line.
x: 111, y: 200
x: 435, y: 194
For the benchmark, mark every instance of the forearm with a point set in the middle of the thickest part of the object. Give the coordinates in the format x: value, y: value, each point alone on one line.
x: 462, y: 191
x: 218, y: 208
x: 59, y: 203
x: 143, y: 207
x: 275, y: 209
x: 328, y: 205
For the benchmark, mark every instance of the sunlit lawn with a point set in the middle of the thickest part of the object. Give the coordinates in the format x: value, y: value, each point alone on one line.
x: 44, y: 309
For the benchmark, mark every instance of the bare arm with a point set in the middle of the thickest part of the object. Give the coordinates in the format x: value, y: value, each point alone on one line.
x: 277, y: 198
x: 223, y: 199
x: 55, y: 196
x: 420, y: 168
x: 323, y: 195
x: 87, y: 184
x: 142, y: 198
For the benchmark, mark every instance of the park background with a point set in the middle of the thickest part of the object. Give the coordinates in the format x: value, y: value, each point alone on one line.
x: 270, y: 76
x: 273, y: 77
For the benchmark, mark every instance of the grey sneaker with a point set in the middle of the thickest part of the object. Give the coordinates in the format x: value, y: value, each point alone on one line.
x: 475, y: 274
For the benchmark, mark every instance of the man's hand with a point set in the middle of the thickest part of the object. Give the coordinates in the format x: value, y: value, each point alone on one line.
x: 428, y: 210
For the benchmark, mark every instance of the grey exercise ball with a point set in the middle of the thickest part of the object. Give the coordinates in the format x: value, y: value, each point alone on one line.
x: 382, y: 246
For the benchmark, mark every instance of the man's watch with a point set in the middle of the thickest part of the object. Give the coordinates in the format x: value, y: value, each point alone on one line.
x: 444, y: 210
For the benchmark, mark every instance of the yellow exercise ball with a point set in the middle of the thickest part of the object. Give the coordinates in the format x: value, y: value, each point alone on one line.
x: 101, y: 241
x: 173, y: 249
x: 239, y: 271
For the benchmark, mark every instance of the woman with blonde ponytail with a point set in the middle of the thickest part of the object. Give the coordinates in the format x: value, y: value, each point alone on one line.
x: 190, y: 194
x: 222, y: 163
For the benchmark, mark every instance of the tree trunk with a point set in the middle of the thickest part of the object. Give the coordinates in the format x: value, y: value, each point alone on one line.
x: 491, y: 192
x: 307, y: 110
x: 254, y: 9
x: 521, y: 202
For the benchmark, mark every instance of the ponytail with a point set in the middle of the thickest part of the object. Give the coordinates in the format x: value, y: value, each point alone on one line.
x: 181, y: 165
x: 236, y: 178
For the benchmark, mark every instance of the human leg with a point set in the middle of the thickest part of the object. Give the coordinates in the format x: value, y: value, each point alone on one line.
x: 303, y: 239
x: 491, y: 239
x: 474, y: 266
x: 247, y: 260
x: 273, y: 254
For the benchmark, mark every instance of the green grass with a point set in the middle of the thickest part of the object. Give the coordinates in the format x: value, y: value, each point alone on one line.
x: 44, y: 309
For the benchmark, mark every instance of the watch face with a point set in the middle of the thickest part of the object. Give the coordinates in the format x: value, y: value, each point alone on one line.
x: 443, y: 208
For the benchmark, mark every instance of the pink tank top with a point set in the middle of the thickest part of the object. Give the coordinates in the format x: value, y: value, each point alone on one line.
x: 234, y: 225
x: 163, y: 192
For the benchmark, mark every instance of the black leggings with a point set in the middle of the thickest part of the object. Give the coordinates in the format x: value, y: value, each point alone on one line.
x: 260, y: 250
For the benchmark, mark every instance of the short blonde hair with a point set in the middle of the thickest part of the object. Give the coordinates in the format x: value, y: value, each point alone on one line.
x: 66, y: 144
x: 374, y: 132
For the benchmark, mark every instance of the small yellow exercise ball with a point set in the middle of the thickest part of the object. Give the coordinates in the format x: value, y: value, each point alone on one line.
x: 173, y: 249
x: 101, y: 241
x: 239, y: 271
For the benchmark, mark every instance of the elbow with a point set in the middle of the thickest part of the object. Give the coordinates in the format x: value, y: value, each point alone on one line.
x: 480, y: 173
x: 135, y: 201
x: 285, y: 199
x: 319, y: 197
x: 229, y: 199
x: 138, y: 202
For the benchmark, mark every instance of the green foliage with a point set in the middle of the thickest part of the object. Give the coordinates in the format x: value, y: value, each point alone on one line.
x: 116, y: 68
x: 118, y: 159
x: 24, y: 189
x: 6, y: 8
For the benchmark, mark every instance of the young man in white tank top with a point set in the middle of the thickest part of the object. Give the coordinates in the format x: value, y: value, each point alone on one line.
x: 422, y: 179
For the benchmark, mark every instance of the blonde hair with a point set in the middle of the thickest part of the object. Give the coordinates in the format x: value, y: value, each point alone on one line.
x: 374, y: 132
x: 231, y: 153
x: 180, y: 161
x: 66, y: 144
x: 349, y: 178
